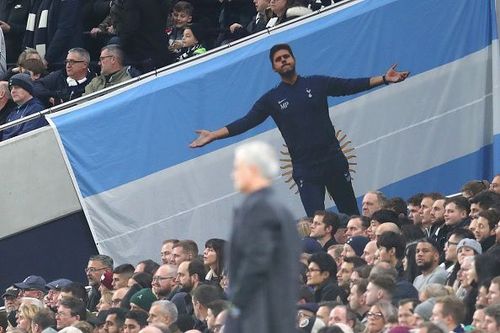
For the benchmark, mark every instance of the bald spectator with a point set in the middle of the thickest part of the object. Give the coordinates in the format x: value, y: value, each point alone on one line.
x: 21, y: 90
x: 386, y: 227
x: 112, y: 69
x: 164, y: 281
x: 369, y: 252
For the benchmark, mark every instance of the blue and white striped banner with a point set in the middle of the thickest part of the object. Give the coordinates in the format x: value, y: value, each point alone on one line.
x: 139, y: 182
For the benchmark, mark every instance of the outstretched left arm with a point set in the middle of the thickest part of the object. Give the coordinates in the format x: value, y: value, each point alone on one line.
x: 391, y: 76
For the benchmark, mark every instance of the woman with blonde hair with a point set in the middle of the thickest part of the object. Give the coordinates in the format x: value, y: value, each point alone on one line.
x: 25, y: 316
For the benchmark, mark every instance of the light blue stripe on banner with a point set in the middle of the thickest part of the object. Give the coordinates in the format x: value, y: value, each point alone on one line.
x: 148, y: 128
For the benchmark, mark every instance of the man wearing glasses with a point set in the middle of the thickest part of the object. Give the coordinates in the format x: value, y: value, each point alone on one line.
x: 112, y: 69
x: 68, y: 83
x: 164, y: 281
x: 97, y: 266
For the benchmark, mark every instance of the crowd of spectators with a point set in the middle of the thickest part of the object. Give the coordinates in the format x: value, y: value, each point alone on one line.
x: 427, y: 264
x: 69, y: 48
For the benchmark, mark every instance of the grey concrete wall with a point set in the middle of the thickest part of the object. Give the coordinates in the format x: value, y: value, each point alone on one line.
x: 35, y: 184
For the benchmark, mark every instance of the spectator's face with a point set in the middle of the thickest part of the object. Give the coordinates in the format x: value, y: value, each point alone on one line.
x: 52, y: 297
x: 111, y: 326
x: 338, y: 315
x: 384, y: 255
x: 482, y: 297
x: 183, y: 278
x: 11, y: 303
x: 314, y: 275
x: 494, y: 294
x: 318, y: 228
x: 478, y: 318
x: 209, y: 256
x: 495, y: 185
x: 473, y: 226
x: 163, y: 281
x: 425, y: 256
x: 475, y: 209
x: 490, y: 325
x: 369, y: 252
x: 405, y: 315
x: 181, y: 19
x: 107, y: 61
x: 370, y: 204
x: 179, y: 255
x: 261, y: 5
x: 425, y: 210
x: 131, y: 326
x: 278, y: 7
x: 188, y: 38
x: 118, y: 296
x: 372, y: 294
x: 453, y: 214
x: 344, y: 274
x: 414, y: 215
x: 437, y: 313
x: 119, y: 281
x: 210, y: 318
x: 76, y: 66
x: 64, y: 318
x: 94, y: 271
x: 372, y: 229
x: 19, y: 95
x: 348, y: 251
x: 437, y: 210
x: 323, y: 313
x: 156, y: 316
x: 355, y: 299
x: 376, y: 320
x: 166, y: 253
x: 355, y: 228
x: 483, y: 230
x: 450, y: 248
x: 22, y: 321
x: 464, y: 251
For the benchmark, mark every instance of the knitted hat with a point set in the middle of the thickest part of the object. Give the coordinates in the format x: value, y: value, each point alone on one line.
x: 358, y: 244
x: 424, y: 309
x: 199, y: 31
x: 472, y: 243
x: 22, y: 80
x: 143, y: 299
x: 310, y: 245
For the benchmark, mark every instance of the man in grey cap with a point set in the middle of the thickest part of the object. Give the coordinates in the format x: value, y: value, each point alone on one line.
x: 21, y: 90
x: 54, y: 289
x: 12, y: 303
x: 32, y: 286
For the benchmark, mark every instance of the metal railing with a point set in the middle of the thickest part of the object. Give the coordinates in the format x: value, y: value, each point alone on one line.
x: 173, y: 66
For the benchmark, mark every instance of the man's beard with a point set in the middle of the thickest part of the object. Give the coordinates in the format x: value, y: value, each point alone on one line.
x: 425, y: 266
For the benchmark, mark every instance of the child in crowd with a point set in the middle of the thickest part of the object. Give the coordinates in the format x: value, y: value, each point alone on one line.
x: 181, y: 17
x: 192, y: 41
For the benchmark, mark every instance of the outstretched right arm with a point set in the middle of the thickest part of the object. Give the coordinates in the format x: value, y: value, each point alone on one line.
x: 205, y: 137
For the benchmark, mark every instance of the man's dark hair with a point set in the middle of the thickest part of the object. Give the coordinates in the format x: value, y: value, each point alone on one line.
x: 385, y: 215
x: 461, y: 203
x: 104, y: 259
x: 75, y: 306
x: 218, y: 306
x: 365, y: 220
x: 486, y: 199
x: 461, y: 233
x: 413, y: 301
x: 434, y: 196
x: 389, y: 240
x: 279, y: 47
x: 398, y: 205
x: 494, y: 312
x: 139, y: 316
x: 143, y: 279
x: 385, y: 282
x: 206, y: 294
x: 45, y: 319
x: 431, y: 241
x: 183, y: 6
x: 492, y: 216
x: 188, y: 246
x: 355, y: 261
x: 150, y: 266
x: 329, y: 219
x: 361, y: 284
x: 120, y: 315
x: 325, y: 263
x: 196, y: 266
x: 77, y: 290
x: 363, y: 271
x: 415, y: 200
x: 124, y: 268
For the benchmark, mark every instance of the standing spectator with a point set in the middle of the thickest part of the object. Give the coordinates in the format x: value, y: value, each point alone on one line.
x: 182, y: 15
x: 256, y: 24
x: 6, y: 103
x: 263, y: 269
x: 112, y: 70
x: 13, y: 25
x: 56, y: 28
x: 21, y: 89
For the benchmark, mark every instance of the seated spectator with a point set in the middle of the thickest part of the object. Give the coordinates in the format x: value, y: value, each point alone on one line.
x: 354, y: 246
x: 35, y: 68
x: 70, y: 311
x: 379, y: 288
x: 486, y: 226
x: 202, y: 296
x: 450, y: 311
x: 405, y: 312
x: 135, y: 321
x: 285, y: 10
x: 213, y: 257
x: 6, y: 103
x: 380, y: 314
x: 142, y: 300
x: 257, y: 23
x: 321, y: 274
x: 214, y: 308
x: 192, y: 41
x: 495, y: 184
x: 473, y: 187
x: 112, y: 70
x: 182, y: 14
x: 28, y: 53
x: 21, y: 90
x: 492, y: 319
x: 66, y: 84
x: 44, y: 321
x: 323, y: 228
x: 25, y: 316
x: 427, y: 258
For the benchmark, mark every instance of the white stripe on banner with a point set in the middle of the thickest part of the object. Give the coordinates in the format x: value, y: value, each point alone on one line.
x: 41, y: 49
x: 452, y: 100
x: 42, y: 23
